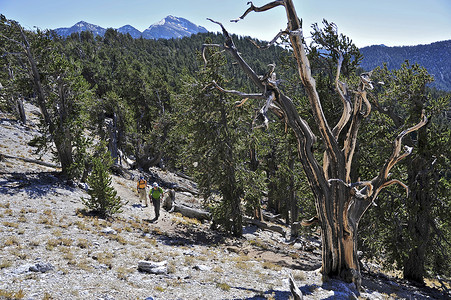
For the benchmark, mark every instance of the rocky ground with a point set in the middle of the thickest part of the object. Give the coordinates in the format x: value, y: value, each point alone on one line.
x: 50, y: 249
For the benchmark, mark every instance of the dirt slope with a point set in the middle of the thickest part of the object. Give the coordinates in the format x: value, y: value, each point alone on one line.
x: 49, y: 250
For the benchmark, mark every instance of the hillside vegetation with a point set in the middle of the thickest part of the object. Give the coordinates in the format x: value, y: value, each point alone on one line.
x: 159, y: 107
x: 434, y: 57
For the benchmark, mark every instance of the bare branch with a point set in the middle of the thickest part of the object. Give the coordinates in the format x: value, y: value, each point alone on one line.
x: 230, y: 46
x: 367, y: 184
x: 205, y: 46
x: 258, y: 9
x: 296, y: 39
x: 286, y: 109
x: 272, y: 42
x: 396, y: 155
x: 367, y: 104
x: 344, y: 96
x: 357, y: 116
x: 390, y: 182
x: 238, y: 93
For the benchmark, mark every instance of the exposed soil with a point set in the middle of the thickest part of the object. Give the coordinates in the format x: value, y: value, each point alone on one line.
x: 51, y: 249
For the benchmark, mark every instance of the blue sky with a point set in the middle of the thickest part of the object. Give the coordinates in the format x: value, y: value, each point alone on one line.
x: 389, y: 22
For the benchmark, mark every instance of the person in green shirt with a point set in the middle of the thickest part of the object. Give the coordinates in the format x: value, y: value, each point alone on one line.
x: 156, y: 195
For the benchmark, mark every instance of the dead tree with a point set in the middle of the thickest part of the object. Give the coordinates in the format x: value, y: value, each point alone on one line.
x: 340, y: 203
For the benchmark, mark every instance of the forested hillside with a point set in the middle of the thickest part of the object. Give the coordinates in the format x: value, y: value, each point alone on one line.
x: 435, y: 57
x: 185, y: 105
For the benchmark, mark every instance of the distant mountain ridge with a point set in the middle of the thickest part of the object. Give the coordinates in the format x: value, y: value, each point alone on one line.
x: 79, y: 27
x: 435, y: 57
x: 167, y: 28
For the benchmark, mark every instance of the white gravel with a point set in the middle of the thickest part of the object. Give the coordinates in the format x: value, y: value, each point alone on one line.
x: 49, y: 250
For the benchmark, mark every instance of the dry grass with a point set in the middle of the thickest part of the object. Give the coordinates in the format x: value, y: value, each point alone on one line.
x: 105, y: 258
x: 189, y: 261
x: 83, y: 243
x: 5, y: 264
x: 271, y: 266
x: 223, y: 286
x: 159, y: 288
x: 4, y: 294
x: 12, y: 241
x: 5, y: 205
x: 122, y: 272
x: 52, y: 243
x: 182, y: 220
x: 10, y: 224
x: 299, y: 275
x: 66, y: 241
x: 84, y: 264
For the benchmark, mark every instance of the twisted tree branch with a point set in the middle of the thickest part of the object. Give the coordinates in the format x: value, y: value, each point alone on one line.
x: 259, y: 9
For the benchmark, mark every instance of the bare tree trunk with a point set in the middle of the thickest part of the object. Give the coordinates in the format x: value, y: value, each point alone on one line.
x: 21, y: 111
x: 419, y: 206
x: 113, y: 140
x: 340, y: 203
x: 61, y: 135
x: 292, y: 200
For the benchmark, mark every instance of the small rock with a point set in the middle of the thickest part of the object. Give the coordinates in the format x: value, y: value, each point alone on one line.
x: 109, y: 230
x: 202, y: 268
x: 42, y: 267
x: 23, y: 269
x: 153, y: 267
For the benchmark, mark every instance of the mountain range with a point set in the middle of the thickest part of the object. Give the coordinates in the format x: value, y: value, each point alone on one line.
x: 167, y: 28
x: 435, y: 57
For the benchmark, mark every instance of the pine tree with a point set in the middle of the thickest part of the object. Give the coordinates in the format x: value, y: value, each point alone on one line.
x: 103, y: 197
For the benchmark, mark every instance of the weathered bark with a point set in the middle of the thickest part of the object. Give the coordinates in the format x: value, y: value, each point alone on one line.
x: 111, y: 125
x: 21, y: 111
x: 339, y: 203
x: 295, y: 291
x: 420, y: 172
x: 59, y: 133
x: 169, y: 201
x: 191, y: 212
x: 148, y: 159
x: 266, y: 226
x: 292, y: 201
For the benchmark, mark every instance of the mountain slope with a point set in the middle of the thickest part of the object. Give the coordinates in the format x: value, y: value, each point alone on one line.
x: 169, y: 27
x: 51, y: 249
x: 79, y: 27
x: 435, y: 57
x: 134, y: 33
x: 172, y: 27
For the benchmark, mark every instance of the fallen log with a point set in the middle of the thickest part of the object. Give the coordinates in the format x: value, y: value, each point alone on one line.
x: 121, y: 171
x: 265, y: 226
x: 267, y: 216
x: 191, y: 212
x: 295, y: 291
x: 35, y: 161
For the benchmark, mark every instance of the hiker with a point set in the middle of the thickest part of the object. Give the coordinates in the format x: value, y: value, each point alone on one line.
x: 141, y: 187
x: 155, y: 195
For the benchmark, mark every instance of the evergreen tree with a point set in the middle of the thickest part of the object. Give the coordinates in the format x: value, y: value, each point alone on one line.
x: 103, y: 197
x: 60, y: 91
x: 214, y: 141
x: 414, y: 230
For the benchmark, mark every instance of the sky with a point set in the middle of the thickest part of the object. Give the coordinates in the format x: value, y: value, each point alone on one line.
x: 388, y: 22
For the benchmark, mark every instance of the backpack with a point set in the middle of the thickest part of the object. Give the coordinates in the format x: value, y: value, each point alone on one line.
x: 142, y: 184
